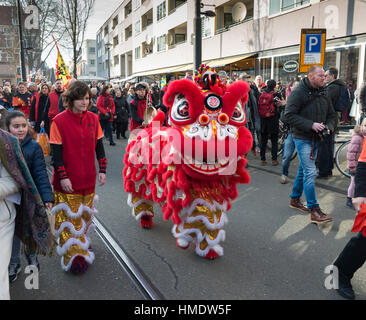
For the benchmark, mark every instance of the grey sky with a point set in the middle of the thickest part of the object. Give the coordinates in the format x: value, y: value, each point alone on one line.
x: 103, y: 9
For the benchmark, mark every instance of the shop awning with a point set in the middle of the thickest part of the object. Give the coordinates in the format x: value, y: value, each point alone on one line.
x: 225, y: 61
x: 189, y: 67
x: 183, y: 67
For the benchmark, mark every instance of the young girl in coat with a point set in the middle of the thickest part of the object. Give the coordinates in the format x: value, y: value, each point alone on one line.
x: 17, y: 125
x: 353, y: 153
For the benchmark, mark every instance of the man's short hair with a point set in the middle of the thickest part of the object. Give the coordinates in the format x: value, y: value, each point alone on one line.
x: 244, y: 76
x: 314, y: 67
x: 334, y: 72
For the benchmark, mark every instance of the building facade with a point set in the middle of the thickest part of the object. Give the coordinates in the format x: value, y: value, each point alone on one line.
x: 153, y: 37
x: 10, y: 68
x: 87, y: 62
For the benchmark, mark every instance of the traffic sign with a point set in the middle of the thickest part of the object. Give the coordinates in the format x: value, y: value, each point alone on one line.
x: 312, y: 48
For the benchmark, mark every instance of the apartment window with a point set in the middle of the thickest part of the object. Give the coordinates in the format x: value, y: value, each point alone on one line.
x: 138, y: 52
x: 116, y: 60
x: 161, y: 11
x: 106, y: 30
x: 115, y: 22
x: 91, y: 50
x: 136, y: 4
x: 138, y: 26
x: 115, y: 41
x: 161, y: 43
x: 92, y: 62
x: 128, y: 9
x: 278, y: 6
x: 206, y: 26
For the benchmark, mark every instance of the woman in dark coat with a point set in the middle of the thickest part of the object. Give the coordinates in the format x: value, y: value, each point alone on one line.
x: 121, y: 115
x: 39, y: 110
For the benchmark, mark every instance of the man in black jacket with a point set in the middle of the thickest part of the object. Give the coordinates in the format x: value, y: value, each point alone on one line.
x: 251, y: 111
x: 326, y: 146
x: 310, y: 114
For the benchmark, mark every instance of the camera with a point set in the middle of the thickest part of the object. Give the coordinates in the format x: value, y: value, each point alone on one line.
x: 324, y: 133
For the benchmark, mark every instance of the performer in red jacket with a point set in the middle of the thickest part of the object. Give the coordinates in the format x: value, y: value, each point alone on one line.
x: 106, y: 110
x: 55, y: 95
x: 76, y: 136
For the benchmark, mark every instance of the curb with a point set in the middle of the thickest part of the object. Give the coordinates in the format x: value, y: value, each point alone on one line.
x: 318, y: 184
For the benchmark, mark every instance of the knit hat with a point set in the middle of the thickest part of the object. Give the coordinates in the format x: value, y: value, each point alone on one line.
x: 169, y: 77
x: 140, y: 86
x: 271, y: 84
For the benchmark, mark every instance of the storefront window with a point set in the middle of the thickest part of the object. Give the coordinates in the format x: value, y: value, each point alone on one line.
x: 349, y: 66
x: 286, y: 69
x: 265, y: 68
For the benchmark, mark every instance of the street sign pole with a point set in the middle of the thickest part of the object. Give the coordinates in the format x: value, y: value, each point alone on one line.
x: 312, y: 48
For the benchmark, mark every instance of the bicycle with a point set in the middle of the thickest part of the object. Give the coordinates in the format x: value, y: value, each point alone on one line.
x: 340, y: 157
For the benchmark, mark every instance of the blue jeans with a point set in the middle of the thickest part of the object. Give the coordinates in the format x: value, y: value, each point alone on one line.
x: 15, y: 252
x: 306, y: 175
x: 288, y: 150
x: 107, y: 129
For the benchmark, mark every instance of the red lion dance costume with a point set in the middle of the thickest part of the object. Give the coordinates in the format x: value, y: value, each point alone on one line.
x: 192, y: 168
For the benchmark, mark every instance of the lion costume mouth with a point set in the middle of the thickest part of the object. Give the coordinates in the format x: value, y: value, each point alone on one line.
x: 211, y: 167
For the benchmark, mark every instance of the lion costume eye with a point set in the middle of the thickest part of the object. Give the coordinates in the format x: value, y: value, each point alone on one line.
x: 238, y: 114
x: 180, y: 109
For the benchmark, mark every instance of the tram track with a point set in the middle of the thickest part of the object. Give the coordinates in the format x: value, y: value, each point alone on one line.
x: 144, y: 286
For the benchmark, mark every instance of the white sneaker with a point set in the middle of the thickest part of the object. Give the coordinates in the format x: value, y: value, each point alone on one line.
x: 284, y: 179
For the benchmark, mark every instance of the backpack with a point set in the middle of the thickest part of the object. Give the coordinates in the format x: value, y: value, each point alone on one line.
x: 343, y: 101
x: 266, y: 107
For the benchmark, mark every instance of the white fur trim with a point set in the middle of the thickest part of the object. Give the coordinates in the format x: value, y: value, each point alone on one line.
x: 142, y: 213
x: 137, y: 203
x: 70, y: 242
x: 64, y: 206
x: 88, y: 259
x: 72, y: 229
x: 212, y: 244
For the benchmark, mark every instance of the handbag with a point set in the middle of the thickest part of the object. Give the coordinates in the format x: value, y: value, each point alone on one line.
x: 42, y: 139
x: 52, y: 220
x: 106, y: 116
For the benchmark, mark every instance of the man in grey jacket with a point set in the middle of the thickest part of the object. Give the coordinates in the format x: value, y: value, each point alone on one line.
x: 311, y: 116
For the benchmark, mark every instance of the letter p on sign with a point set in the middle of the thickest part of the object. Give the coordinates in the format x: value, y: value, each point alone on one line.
x: 313, y: 43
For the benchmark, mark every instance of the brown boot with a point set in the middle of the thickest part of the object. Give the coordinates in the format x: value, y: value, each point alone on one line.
x: 318, y: 216
x: 297, y: 204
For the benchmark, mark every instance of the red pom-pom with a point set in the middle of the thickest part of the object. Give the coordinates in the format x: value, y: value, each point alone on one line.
x: 79, y: 265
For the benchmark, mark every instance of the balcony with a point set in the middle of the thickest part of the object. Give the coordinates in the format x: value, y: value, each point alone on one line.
x: 128, y: 32
x: 174, y: 4
x: 177, y: 35
x: 233, y: 13
x: 147, y: 19
x: 128, y: 9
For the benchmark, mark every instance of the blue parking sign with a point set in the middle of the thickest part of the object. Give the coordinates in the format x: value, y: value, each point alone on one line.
x: 313, y: 43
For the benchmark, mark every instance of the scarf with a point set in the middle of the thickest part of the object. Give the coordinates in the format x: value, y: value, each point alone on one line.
x: 31, y: 223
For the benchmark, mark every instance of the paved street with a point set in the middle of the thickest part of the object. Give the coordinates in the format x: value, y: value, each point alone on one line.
x: 271, y: 251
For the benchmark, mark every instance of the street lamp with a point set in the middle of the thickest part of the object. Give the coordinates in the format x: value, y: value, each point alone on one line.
x: 108, y: 45
x: 22, y: 59
x: 198, y: 31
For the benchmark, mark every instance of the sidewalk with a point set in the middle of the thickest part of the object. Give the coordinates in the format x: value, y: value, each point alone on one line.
x: 337, y: 183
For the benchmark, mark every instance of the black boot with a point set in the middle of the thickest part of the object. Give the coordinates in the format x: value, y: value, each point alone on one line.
x: 349, y: 261
x: 112, y: 143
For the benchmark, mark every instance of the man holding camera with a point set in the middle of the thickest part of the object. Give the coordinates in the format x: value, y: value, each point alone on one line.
x: 311, y: 116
